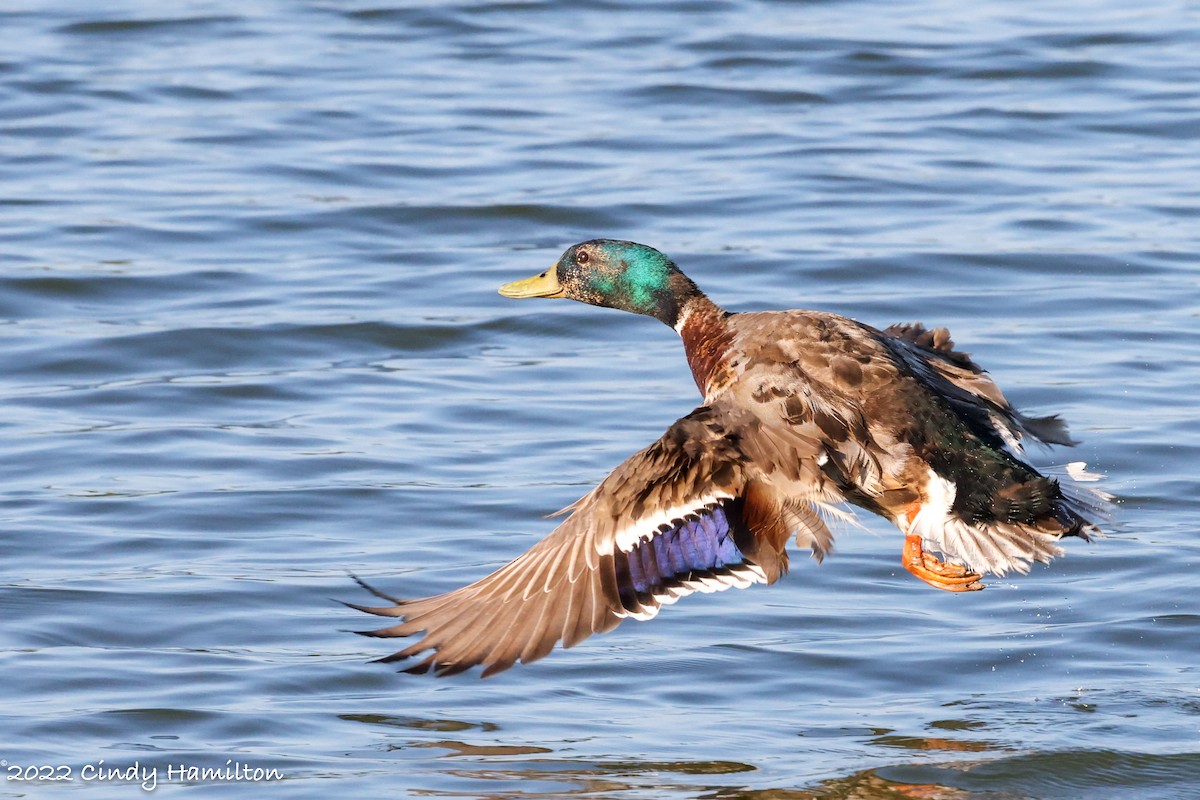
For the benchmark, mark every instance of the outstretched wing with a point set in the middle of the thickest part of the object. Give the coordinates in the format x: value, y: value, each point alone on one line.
x: 690, y: 513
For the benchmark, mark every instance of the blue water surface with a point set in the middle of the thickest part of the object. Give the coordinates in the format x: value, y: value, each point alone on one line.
x: 251, y: 343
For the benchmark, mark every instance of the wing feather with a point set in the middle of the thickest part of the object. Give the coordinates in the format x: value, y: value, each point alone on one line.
x: 691, y: 512
x: 975, y: 397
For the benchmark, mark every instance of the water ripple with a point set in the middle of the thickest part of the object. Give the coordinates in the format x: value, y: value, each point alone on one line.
x: 252, y: 342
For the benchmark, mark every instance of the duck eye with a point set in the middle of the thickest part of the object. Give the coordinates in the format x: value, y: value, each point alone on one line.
x: 582, y: 257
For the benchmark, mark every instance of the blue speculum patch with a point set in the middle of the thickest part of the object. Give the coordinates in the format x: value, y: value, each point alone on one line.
x: 696, y: 545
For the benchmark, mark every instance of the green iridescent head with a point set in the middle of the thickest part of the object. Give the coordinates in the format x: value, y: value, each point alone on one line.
x: 616, y: 274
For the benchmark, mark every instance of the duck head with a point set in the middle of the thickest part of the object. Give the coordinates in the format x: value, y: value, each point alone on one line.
x: 615, y: 274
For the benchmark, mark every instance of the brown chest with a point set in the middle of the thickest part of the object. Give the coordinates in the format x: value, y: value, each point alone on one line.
x: 707, y: 341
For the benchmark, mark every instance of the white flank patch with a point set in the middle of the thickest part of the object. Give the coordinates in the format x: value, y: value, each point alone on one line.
x: 933, y: 522
x: 934, y: 515
x: 995, y: 548
x: 627, y: 538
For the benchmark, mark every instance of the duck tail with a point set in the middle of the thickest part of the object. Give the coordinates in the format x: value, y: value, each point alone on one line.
x: 1091, y: 507
x: 1046, y: 431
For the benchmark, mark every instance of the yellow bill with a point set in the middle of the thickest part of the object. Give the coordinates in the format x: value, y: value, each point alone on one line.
x: 544, y: 285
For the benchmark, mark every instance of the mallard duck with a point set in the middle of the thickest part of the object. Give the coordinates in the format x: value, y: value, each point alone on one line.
x: 802, y: 411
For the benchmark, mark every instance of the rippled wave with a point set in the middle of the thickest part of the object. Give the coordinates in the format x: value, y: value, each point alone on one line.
x: 252, y: 342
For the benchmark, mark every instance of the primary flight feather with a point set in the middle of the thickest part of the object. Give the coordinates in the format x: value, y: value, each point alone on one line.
x: 802, y: 410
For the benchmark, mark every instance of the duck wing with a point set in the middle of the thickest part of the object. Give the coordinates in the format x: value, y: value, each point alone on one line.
x: 693, y: 512
x: 931, y: 356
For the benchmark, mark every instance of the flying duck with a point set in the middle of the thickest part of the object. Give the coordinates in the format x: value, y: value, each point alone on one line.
x: 802, y: 411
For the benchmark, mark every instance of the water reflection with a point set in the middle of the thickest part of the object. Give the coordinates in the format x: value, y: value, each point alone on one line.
x: 865, y: 785
x: 495, y: 770
x: 559, y: 778
x: 490, y: 767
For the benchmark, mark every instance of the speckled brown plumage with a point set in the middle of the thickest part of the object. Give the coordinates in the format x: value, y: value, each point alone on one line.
x: 801, y: 410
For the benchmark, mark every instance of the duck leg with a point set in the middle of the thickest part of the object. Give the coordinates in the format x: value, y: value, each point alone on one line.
x: 928, y: 567
x: 934, y: 571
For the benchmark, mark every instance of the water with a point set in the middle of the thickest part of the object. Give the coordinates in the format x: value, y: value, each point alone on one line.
x: 251, y: 342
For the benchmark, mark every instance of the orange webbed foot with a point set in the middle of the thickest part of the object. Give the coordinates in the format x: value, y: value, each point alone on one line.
x: 934, y: 571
